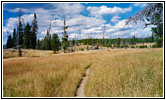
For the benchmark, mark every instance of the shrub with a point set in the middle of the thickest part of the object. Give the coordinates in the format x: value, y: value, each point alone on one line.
x: 82, y: 49
x: 126, y: 46
x: 159, y: 42
x: 143, y: 46
x: 132, y: 46
x: 110, y: 46
x: 154, y: 46
x: 87, y: 47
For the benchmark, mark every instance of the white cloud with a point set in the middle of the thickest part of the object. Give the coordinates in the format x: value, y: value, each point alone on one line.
x: 68, y: 8
x: 85, y: 21
x: 140, y: 4
x: 45, y: 15
x: 122, y: 30
x: 10, y: 24
x: 115, y: 19
x: 80, y: 26
x: 98, y: 11
x: 18, y: 9
x: 74, y: 35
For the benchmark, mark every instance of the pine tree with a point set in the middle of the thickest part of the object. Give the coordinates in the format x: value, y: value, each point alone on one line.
x: 118, y: 42
x: 47, y: 41
x: 133, y: 41
x: 34, y: 32
x: 9, y: 42
x: 14, y: 38
x: 55, y: 43
x: 38, y: 45
x: 27, y: 36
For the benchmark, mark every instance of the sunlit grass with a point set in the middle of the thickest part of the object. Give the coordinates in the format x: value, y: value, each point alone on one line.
x: 131, y: 74
x: 26, y: 53
x: 114, y: 73
x: 44, y: 76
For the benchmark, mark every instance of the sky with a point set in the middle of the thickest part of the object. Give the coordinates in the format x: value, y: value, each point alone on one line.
x: 84, y: 20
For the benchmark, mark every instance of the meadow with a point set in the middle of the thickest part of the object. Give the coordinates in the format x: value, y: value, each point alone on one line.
x: 113, y: 73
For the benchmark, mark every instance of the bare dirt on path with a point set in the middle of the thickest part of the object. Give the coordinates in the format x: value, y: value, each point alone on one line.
x: 80, y: 89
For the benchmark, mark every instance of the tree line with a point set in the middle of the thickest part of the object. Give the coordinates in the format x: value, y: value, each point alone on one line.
x: 26, y: 37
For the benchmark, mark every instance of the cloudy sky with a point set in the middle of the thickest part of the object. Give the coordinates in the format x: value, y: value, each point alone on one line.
x: 84, y: 20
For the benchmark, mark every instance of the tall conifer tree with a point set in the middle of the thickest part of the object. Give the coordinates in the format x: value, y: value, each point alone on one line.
x: 27, y: 36
x: 34, y: 32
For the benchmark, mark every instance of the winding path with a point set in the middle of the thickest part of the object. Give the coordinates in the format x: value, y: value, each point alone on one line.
x: 80, y: 89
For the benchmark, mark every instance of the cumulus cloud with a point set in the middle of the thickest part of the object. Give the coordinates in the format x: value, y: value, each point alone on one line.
x: 16, y: 10
x: 98, y: 11
x: 125, y: 31
x: 68, y: 8
x: 80, y: 26
x: 10, y: 24
x: 140, y: 4
x: 44, y: 16
x: 115, y: 19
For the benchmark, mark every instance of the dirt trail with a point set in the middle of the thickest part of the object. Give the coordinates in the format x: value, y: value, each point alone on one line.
x: 80, y: 89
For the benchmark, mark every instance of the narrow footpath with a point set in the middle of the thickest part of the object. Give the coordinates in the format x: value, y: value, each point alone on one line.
x: 80, y: 90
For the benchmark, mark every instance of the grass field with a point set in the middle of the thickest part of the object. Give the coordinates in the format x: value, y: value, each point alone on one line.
x: 113, y: 73
x: 26, y: 53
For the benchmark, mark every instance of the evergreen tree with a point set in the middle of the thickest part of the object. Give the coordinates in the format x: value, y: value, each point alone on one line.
x: 124, y: 42
x: 55, y: 43
x: 47, y: 41
x: 34, y: 32
x: 73, y: 42
x: 27, y: 36
x: 14, y: 38
x: 133, y: 41
x: 38, y: 45
x: 9, y: 42
x: 118, y: 42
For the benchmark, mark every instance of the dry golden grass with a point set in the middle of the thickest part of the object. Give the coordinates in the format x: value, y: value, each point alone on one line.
x: 148, y: 44
x: 127, y: 73
x: 118, y: 72
x: 56, y: 75
x: 26, y: 53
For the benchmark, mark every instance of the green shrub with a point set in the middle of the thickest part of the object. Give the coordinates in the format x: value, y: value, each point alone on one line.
x: 126, y: 46
x: 87, y: 47
x: 110, y: 46
x: 159, y: 42
x: 155, y: 46
x: 143, y: 46
x: 132, y: 46
x: 82, y: 49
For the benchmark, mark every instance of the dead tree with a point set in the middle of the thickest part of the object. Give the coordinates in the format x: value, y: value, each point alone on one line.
x: 20, y: 33
x: 148, y: 15
x: 65, y: 36
x: 49, y: 29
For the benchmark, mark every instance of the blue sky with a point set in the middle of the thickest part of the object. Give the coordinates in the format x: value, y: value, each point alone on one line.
x: 84, y: 19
